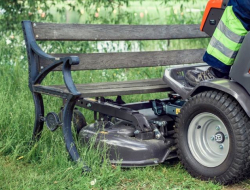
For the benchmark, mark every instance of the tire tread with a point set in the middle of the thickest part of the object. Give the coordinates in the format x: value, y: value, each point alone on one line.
x: 240, y: 123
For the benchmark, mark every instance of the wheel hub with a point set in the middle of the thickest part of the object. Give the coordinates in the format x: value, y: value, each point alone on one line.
x: 219, y: 137
x: 208, y: 139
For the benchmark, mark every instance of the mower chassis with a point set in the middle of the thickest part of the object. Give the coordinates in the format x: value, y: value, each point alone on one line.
x: 174, y: 77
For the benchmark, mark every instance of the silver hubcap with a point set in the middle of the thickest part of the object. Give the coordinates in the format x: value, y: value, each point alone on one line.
x: 208, y: 139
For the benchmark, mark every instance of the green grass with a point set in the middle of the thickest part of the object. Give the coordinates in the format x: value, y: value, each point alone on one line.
x: 44, y: 176
x: 46, y: 165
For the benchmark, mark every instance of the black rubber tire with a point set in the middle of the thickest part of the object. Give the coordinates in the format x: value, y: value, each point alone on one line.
x: 79, y: 121
x: 236, y: 164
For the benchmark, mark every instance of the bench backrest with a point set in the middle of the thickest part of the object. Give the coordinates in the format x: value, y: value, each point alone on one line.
x: 95, y: 61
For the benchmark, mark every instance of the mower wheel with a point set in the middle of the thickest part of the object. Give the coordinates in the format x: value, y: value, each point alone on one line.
x: 212, y: 137
x: 79, y: 120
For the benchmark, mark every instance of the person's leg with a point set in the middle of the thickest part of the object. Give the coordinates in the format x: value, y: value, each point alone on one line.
x: 241, y: 9
x: 225, y: 42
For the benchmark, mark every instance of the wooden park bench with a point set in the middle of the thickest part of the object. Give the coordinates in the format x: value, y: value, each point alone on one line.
x: 40, y: 64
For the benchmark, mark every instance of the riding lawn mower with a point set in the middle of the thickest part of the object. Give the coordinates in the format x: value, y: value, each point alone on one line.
x: 206, y: 126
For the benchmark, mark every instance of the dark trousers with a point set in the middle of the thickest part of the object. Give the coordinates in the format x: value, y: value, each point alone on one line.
x: 241, y: 9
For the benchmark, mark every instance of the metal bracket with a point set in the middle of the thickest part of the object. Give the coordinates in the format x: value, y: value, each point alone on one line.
x: 139, y: 121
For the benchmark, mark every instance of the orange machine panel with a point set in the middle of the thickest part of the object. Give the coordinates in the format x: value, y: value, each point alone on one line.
x: 210, y: 5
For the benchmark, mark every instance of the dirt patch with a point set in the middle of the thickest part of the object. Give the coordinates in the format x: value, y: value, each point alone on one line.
x: 241, y: 186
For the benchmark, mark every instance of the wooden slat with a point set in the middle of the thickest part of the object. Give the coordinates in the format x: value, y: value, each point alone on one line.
x: 50, y: 91
x: 108, y: 89
x: 128, y: 91
x: 98, y: 61
x: 115, y: 85
x: 94, y: 32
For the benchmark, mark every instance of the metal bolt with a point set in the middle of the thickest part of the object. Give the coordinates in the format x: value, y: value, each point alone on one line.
x: 198, y: 127
x: 218, y: 128
x: 212, y: 138
x: 42, y: 67
x: 226, y: 136
x: 162, y: 123
x: 89, y: 105
x: 136, y: 132
x: 157, y: 136
x: 221, y: 146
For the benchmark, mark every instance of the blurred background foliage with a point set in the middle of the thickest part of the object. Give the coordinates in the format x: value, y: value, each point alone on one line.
x: 12, y: 12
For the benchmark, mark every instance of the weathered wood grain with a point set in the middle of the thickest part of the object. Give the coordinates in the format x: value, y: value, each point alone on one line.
x: 94, y: 32
x: 115, y: 85
x: 108, y: 89
x: 98, y: 61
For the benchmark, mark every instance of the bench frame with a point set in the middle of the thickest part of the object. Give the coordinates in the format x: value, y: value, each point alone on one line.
x: 72, y: 97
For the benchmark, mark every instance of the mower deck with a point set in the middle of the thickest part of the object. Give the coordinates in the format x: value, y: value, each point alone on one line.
x: 122, y: 145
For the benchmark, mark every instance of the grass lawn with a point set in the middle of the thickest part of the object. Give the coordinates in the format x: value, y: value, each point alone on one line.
x: 45, y: 165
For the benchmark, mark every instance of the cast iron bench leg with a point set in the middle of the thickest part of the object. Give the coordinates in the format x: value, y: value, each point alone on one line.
x: 39, y: 114
x: 67, y: 133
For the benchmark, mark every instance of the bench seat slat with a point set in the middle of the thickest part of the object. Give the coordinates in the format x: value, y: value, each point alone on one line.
x: 108, y: 89
x: 98, y: 61
x: 98, y: 32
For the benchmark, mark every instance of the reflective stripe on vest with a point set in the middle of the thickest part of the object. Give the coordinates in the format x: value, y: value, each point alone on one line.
x: 223, y: 49
x: 227, y: 38
x: 229, y: 34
